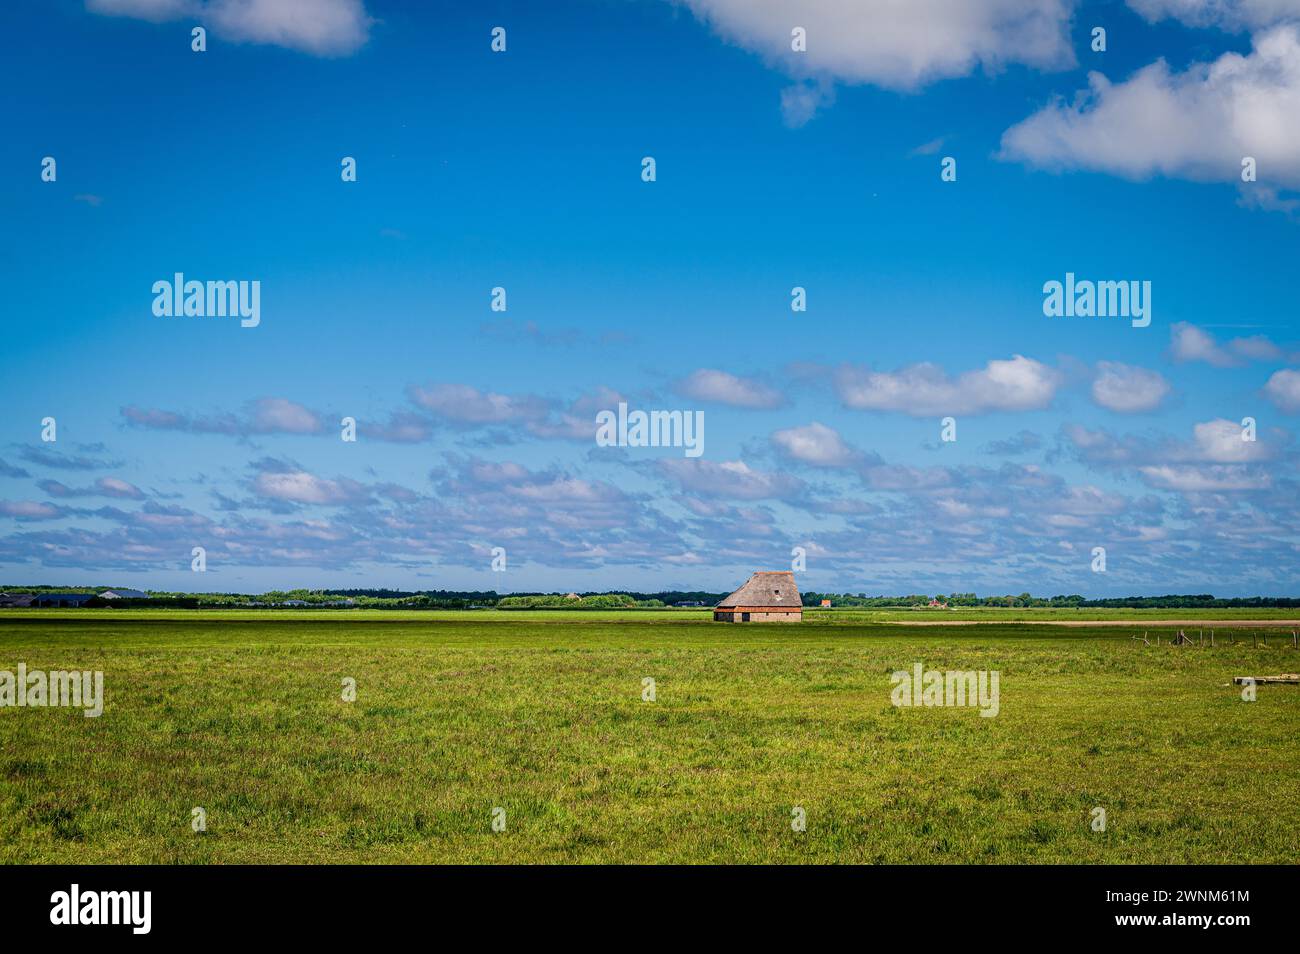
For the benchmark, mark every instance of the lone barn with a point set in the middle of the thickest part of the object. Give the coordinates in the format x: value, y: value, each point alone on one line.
x: 768, y: 597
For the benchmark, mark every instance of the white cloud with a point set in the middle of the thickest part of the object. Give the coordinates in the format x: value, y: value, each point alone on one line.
x: 319, y: 27
x: 1197, y: 124
x: 1215, y: 460
x: 578, y: 423
x: 707, y: 384
x: 463, y: 404
x: 892, y: 44
x: 1226, y: 14
x: 271, y: 415
x: 1283, y: 389
x: 815, y: 444
x: 569, y: 491
x: 801, y: 101
x: 492, y: 473
x: 929, y: 148
x: 1193, y: 479
x: 1220, y: 441
x: 28, y: 510
x: 103, y: 487
x: 904, y: 478
x: 1087, y: 500
x: 1189, y: 343
x: 960, y: 510
x: 402, y: 427
x: 1021, y: 443
x: 114, y: 487
x: 1256, y: 348
x: 264, y: 416
x: 1015, y: 384
x: 1127, y: 389
x: 298, y: 486
x: 729, y: 478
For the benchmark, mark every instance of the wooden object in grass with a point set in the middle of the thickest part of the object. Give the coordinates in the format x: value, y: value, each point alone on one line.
x: 1286, y: 679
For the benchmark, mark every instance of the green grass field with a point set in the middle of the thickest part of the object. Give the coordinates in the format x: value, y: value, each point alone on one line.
x: 541, y: 713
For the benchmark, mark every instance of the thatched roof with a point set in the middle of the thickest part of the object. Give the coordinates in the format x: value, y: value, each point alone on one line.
x: 766, y: 588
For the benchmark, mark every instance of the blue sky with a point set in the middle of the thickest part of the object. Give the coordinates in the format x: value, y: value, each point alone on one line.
x: 775, y: 169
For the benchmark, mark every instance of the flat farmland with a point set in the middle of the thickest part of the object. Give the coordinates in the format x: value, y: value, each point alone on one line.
x: 543, y: 716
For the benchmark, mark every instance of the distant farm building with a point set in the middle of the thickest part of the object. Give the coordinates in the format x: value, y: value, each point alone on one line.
x: 62, y: 599
x: 937, y: 604
x: 826, y: 604
x: 768, y: 597
x: 16, y: 599
x: 123, y: 595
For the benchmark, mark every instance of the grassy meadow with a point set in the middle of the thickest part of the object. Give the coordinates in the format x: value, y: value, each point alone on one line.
x: 541, y: 714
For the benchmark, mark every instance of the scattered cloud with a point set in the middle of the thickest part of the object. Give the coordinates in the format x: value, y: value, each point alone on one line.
x: 1127, y: 389
x: 1226, y: 14
x: 731, y: 479
x: 801, y: 101
x: 815, y: 444
x: 1217, y: 459
x: 318, y: 27
x: 402, y: 427
x: 1190, y: 343
x: 895, y: 45
x: 708, y: 384
x: 25, y: 510
x: 463, y: 405
x: 1196, y: 124
x: 1218, y: 441
x: 45, y: 456
x: 1021, y: 443
x: 1222, y: 441
x: 1283, y: 389
x: 289, y: 483
x: 929, y: 148
x: 103, y: 487
x: 1190, y: 479
x: 923, y: 390
x: 269, y: 415
x: 279, y: 416
x: 577, y: 422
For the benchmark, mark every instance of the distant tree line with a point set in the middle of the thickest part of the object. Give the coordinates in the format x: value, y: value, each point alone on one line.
x: 1074, y: 601
x: 483, y: 599
x: 590, y: 601
x: 1203, y: 601
x: 952, y: 599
